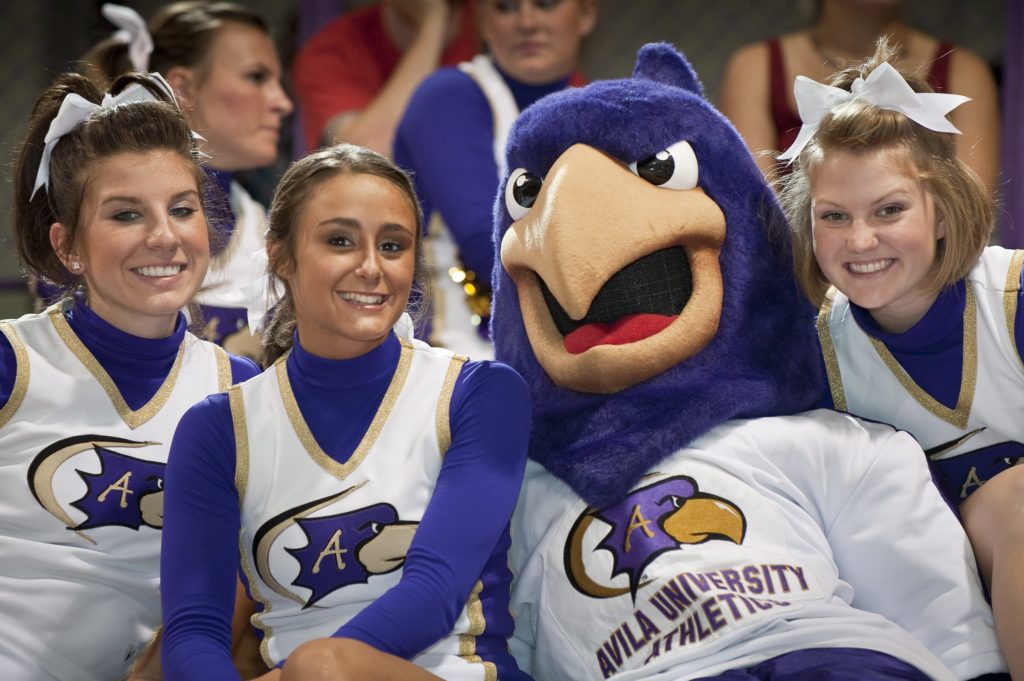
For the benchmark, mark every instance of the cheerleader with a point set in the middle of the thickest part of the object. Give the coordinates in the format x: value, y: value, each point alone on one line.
x: 108, y: 203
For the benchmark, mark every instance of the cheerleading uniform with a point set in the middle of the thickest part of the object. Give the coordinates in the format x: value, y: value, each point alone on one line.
x: 87, y: 417
x: 954, y: 380
x: 239, y: 224
x: 388, y: 525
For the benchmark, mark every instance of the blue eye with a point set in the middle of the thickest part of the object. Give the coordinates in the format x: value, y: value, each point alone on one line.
x: 182, y: 211
x: 127, y: 215
x: 674, y: 168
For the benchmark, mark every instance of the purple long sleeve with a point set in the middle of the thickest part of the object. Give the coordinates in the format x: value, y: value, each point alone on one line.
x: 482, y: 470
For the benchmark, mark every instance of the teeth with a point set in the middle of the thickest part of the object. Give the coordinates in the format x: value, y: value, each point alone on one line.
x: 868, y: 267
x: 166, y: 271
x: 363, y: 298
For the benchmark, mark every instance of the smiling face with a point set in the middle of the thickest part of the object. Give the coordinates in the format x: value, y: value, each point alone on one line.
x: 143, y: 245
x: 536, y: 41
x: 875, y: 233
x: 234, y: 98
x: 353, y: 262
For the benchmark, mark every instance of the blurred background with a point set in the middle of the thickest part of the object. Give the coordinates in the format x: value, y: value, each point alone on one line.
x: 41, y: 38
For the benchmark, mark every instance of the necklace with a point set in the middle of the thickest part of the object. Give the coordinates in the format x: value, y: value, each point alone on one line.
x: 835, y: 59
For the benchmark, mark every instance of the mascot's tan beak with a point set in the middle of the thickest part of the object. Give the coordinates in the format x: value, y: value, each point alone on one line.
x: 703, y: 518
x: 592, y: 219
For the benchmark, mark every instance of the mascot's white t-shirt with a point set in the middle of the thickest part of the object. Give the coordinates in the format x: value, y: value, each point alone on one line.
x: 763, y: 537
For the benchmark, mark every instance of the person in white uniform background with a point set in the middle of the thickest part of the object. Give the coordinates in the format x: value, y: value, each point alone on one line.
x: 452, y: 140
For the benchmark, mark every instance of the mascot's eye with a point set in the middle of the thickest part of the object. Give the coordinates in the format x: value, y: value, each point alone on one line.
x: 674, y: 168
x: 676, y: 502
x: 376, y: 528
x: 520, y: 192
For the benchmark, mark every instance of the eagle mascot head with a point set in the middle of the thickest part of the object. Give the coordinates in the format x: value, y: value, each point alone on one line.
x: 643, y: 285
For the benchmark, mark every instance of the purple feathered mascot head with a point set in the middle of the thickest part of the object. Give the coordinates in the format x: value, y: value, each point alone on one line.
x: 643, y: 286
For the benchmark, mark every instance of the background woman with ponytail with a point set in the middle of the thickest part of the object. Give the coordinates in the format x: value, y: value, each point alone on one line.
x: 108, y: 203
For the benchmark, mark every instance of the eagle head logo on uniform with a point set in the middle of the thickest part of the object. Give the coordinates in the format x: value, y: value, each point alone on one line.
x: 126, y: 491
x: 659, y: 517
x: 341, y: 549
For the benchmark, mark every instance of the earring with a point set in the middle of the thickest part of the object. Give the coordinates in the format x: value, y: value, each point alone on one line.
x: 75, y: 265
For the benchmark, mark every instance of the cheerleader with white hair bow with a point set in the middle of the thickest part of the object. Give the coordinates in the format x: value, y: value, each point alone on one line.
x: 920, y: 321
x: 108, y: 203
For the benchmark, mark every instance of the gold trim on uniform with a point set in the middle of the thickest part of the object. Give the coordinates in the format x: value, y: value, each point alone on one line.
x: 133, y: 418
x: 291, y: 407
x: 828, y: 351
x: 237, y: 405
x: 146, y: 649
x: 1010, y: 294
x: 223, y: 368
x: 20, y: 375
x: 969, y: 373
x: 256, y: 620
x: 467, y: 641
x: 443, y: 419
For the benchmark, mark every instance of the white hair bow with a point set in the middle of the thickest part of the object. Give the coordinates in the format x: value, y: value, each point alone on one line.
x: 74, y: 111
x: 884, y: 88
x: 132, y: 32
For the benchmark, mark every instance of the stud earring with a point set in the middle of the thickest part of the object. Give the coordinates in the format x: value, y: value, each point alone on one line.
x: 75, y: 265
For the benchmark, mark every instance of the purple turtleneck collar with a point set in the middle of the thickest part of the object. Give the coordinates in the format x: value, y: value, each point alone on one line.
x: 138, y: 366
x: 941, y: 326
x: 340, y: 375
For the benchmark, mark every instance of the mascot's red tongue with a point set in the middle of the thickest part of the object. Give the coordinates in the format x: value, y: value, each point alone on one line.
x: 629, y: 329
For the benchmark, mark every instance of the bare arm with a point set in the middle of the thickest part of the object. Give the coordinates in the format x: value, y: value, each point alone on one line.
x: 374, y: 126
x: 745, y: 101
x: 978, y: 120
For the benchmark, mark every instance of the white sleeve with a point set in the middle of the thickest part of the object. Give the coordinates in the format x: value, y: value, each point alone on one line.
x: 903, y: 551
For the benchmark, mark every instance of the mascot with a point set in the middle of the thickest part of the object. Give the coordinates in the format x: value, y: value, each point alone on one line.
x: 682, y: 514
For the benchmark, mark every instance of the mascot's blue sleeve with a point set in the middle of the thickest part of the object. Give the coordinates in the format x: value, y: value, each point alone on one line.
x: 446, y: 140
